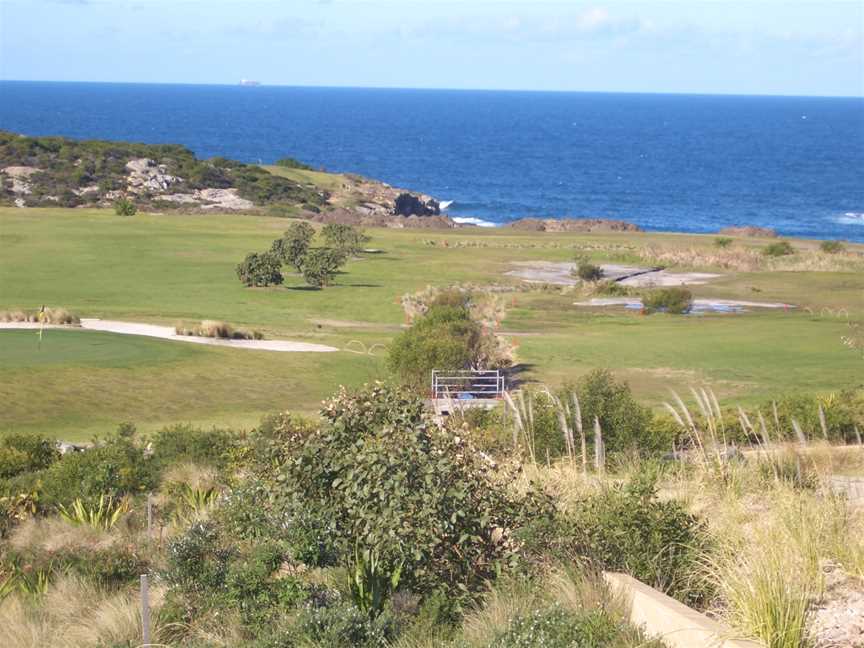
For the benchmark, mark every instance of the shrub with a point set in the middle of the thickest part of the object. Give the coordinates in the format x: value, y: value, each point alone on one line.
x: 22, y: 453
x: 185, y: 443
x: 722, y: 242
x: 446, y: 338
x: 341, y: 625
x: 622, y: 419
x: 291, y: 249
x: 671, y: 300
x: 778, y: 249
x: 420, y: 497
x: 343, y: 237
x: 320, y: 266
x: 198, y: 560
x: 291, y: 163
x: 115, y: 467
x: 559, y: 628
x: 260, y: 270
x: 588, y: 271
x: 112, y: 566
x: 832, y: 247
x: 627, y: 528
x: 216, y: 329
x: 125, y: 207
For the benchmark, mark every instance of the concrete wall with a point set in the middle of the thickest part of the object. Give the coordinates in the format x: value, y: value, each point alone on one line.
x: 673, y: 622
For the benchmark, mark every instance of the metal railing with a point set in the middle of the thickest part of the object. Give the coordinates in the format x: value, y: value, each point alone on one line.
x: 468, y: 384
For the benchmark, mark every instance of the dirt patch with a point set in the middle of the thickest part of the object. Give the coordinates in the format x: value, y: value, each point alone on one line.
x: 699, y: 305
x: 838, y: 621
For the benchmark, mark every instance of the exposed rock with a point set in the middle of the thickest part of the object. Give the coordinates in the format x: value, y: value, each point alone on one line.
x: 573, y: 225
x: 223, y: 199
x: 19, y: 202
x: 19, y: 175
x: 749, y: 230
x: 378, y: 219
x: 407, y: 204
x: 147, y: 176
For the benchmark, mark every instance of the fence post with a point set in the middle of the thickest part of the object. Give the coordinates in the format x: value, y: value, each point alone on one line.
x: 145, y: 610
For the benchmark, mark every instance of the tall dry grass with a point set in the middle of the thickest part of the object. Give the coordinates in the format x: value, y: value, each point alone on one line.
x: 46, y: 316
x: 218, y: 329
x: 750, y: 259
x: 73, y: 613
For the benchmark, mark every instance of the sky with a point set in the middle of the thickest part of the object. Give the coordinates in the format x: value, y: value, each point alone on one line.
x: 700, y: 46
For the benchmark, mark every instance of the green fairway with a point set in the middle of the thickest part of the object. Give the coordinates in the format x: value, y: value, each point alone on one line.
x: 176, y: 268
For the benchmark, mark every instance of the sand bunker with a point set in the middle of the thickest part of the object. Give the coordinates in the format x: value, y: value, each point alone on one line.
x: 699, y: 305
x: 560, y: 273
x: 168, y: 333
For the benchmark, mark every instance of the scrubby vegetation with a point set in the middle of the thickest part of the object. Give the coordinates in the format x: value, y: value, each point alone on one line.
x: 45, y: 315
x: 222, y: 330
x: 81, y: 172
x: 778, y: 249
x: 676, y: 301
x: 587, y: 271
x: 378, y: 526
x: 832, y: 247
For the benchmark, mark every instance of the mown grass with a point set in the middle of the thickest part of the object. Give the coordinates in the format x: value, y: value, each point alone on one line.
x: 179, y: 269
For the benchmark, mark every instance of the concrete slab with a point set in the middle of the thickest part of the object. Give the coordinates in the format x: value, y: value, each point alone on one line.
x: 676, y: 624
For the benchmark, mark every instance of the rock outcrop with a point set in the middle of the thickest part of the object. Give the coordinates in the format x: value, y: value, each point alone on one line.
x: 145, y: 176
x: 407, y: 204
x: 573, y: 225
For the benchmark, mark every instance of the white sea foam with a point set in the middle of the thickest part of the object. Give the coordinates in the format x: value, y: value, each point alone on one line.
x: 851, y: 218
x: 470, y: 220
x: 444, y: 204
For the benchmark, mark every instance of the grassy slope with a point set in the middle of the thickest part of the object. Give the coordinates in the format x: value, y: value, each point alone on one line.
x: 170, y: 268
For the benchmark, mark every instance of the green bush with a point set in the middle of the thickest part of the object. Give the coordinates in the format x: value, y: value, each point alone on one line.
x: 260, y: 270
x: 671, y: 300
x: 384, y: 479
x: 125, y: 207
x: 291, y: 249
x: 832, y: 247
x: 185, y: 443
x: 22, y: 453
x: 320, y: 266
x: 842, y: 414
x: 722, y: 242
x: 343, y: 237
x: 554, y: 627
x: 114, y: 467
x: 587, y: 271
x: 198, y: 560
x: 627, y: 528
x: 291, y: 163
x: 778, y: 249
x: 623, y: 420
x: 111, y: 567
x: 341, y: 625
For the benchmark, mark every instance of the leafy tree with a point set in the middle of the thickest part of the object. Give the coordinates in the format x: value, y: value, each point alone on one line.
x: 673, y: 300
x: 260, y: 269
x: 320, y: 265
x: 125, y: 207
x: 446, y: 337
x: 291, y: 249
x: 623, y: 420
x: 345, y: 237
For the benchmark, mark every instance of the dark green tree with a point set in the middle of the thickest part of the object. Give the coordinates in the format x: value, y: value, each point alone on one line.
x: 291, y: 249
x: 348, y: 238
x: 260, y: 269
x: 320, y: 265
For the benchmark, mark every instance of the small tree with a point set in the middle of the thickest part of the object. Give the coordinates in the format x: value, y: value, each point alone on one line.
x: 260, y: 269
x: 291, y: 249
x: 585, y: 270
x: 320, y: 265
x: 125, y: 207
x: 345, y: 237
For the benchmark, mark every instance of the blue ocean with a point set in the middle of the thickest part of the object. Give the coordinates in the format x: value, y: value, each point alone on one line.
x: 665, y: 162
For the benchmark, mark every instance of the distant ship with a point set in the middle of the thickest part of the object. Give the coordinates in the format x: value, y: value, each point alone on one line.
x: 250, y: 83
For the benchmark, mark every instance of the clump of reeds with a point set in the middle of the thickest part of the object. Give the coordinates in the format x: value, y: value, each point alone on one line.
x: 218, y: 329
x: 45, y: 315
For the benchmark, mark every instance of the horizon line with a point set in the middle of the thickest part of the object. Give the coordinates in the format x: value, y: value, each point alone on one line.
x: 262, y: 84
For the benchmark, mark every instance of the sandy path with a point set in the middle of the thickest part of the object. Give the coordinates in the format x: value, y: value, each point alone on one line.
x: 168, y: 333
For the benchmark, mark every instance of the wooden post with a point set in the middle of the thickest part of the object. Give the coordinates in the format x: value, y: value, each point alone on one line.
x: 145, y: 610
